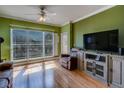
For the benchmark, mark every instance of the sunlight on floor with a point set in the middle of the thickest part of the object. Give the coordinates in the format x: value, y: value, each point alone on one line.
x: 50, y: 66
x: 32, y: 70
x: 39, y: 67
x: 16, y: 73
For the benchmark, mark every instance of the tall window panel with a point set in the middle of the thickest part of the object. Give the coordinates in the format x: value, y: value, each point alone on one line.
x: 35, y: 44
x: 48, y: 44
x: 19, y: 44
x: 31, y: 44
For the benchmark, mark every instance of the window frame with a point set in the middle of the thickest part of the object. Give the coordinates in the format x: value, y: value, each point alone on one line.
x: 28, y: 58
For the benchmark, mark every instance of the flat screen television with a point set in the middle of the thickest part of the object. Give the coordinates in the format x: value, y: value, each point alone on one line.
x: 101, y: 41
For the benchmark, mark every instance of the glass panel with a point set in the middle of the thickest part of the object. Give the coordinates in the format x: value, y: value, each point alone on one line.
x: 48, y: 38
x: 89, y: 69
x: 35, y: 51
x: 99, y: 67
x: 48, y: 44
x: 100, y: 73
x: 48, y: 50
x: 89, y: 66
x: 19, y: 37
x: 19, y: 52
x: 35, y: 37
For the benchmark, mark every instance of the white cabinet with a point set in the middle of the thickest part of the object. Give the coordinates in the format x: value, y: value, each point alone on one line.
x: 101, y: 69
x: 105, y: 67
x: 96, y: 64
x: 116, y: 76
x: 117, y: 71
x: 80, y: 55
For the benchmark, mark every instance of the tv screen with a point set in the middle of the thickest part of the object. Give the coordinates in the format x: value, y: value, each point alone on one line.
x: 103, y: 41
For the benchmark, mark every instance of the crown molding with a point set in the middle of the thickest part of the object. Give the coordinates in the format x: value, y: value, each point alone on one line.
x: 66, y: 23
x: 21, y: 19
x: 94, y: 13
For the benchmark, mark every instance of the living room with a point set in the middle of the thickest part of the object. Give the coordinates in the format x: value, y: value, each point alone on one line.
x: 44, y: 46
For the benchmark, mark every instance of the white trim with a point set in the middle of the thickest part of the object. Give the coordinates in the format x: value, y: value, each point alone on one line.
x: 36, y: 61
x: 66, y: 23
x: 36, y: 30
x: 43, y: 44
x: 21, y: 60
x: 11, y: 46
x: 27, y: 32
x: 32, y: 28
x: 13, y: 18
x: 94, y: 13
x: 62, y: 40
x: 56, y: 42
x: 53, y: 44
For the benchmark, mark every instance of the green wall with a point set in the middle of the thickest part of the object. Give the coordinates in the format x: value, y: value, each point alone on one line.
x: 107, y: 20
x: 68, y: 28
x: 5, y: 32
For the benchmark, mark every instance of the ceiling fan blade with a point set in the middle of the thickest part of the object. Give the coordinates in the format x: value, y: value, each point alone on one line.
x: 44, y: 14
x: 51, y: 14
x: 33, y: 14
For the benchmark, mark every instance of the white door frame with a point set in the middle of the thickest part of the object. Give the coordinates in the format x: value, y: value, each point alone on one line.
x: 64, y: 43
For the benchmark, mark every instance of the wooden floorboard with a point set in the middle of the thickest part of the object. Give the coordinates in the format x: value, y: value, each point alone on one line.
x: 51, y: 75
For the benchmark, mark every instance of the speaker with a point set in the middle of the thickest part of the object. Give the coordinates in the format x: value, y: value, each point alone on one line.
x: 121, y: 51
x: 1, y: 40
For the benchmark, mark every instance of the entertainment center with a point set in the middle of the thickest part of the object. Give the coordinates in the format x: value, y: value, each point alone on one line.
x: 96, y: 65
x: 106, y: 67
x: 101, y: 58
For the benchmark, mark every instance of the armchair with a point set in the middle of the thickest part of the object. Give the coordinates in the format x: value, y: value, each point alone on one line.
x: 5, y: 82
x: 6, y: 75
x: 68, y: 61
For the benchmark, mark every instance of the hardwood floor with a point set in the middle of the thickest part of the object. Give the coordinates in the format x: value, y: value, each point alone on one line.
x: 51, y: 75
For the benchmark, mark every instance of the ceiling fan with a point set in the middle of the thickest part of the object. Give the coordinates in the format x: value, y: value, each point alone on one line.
x: 44, y: 13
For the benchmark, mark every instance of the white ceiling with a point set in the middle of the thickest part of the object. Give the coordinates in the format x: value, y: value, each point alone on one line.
x: 64, y: 13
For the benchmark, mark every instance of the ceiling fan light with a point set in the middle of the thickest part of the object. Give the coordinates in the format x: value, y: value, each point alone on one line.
x: 44, y: 19
x: 41, y: 18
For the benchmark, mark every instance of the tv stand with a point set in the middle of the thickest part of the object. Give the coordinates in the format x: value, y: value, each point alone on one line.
x: 96, y: 65
x: 103, y: 66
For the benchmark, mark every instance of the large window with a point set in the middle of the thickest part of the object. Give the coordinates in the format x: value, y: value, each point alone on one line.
x: 31, y: 44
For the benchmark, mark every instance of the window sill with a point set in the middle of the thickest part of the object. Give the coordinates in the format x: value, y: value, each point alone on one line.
x: 35, y: 60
